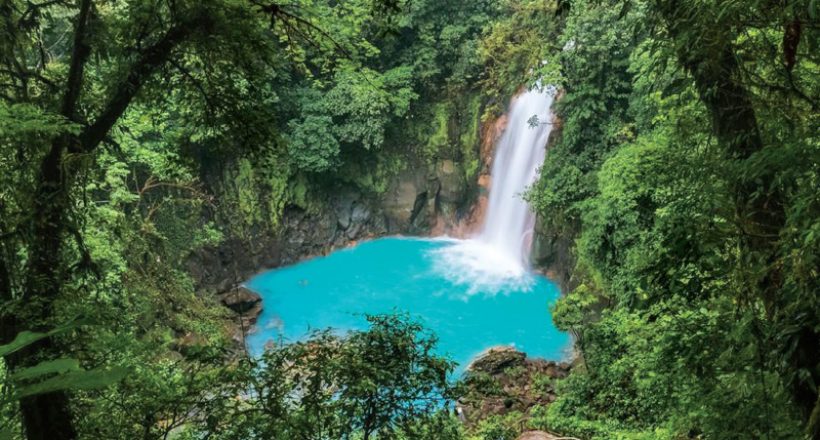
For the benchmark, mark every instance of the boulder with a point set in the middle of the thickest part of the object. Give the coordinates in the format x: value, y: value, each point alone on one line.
x: 503, y: 380
x: 497, y: 359
x: 250, y: 317
x: 537, y: 435
x: 343, y: 206
x: 241, y: 300
x: 359, y: 216
x: 556, y: 370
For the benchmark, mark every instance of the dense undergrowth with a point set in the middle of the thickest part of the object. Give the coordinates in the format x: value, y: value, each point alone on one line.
x: 686, y: 175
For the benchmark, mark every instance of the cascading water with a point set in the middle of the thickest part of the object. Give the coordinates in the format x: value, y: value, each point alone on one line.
x: 518, y: 155
x: 499, y: 255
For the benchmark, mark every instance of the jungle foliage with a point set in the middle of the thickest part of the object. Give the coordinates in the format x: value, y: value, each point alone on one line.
x: 134, y: 133
x: 686, y: 175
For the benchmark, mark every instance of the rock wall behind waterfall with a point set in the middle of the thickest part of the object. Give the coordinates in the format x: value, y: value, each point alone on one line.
x: 423, y: 199
x: 427, y: 197
x: 552, y: 249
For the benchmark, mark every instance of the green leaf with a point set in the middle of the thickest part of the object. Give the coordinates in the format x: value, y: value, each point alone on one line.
x: 75, y: 380
x: 48, y: 367
x: 22, y: 340
x: 26, y: 338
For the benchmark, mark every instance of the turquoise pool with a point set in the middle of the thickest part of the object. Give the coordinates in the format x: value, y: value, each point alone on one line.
x: 468, y: 309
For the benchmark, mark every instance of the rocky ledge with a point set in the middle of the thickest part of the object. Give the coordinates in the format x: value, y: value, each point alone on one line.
x: 504, y: 380
x: 247, y: 305
x: 541, y: 435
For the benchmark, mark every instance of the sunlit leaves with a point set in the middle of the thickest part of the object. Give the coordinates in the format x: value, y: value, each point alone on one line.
x: 19, y: 121
x: 384, y: 381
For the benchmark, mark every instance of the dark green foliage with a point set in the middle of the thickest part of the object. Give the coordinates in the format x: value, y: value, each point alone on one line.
x: 381, y: 383
x: 675, y: 175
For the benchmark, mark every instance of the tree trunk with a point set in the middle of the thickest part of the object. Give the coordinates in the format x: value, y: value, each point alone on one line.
x: 46, y: 416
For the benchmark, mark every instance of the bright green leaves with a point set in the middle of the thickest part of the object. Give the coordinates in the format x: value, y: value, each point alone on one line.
x: 675, y: 341
x: 592, y: 54
x: 22, y: 340
x: 572, y: 311
x: 364, y: 102
x: 316, y: 35
x: 385, y: 382
x: 46, y: 368
x: 64, y: 374
x: 51, y: 375
x: 313, y: 146
x: 520, y: 49
x: 198, y: 153
x: 354, y: 112
x: 67, y: 379
x: 26, y: 338
x: 19, y: 120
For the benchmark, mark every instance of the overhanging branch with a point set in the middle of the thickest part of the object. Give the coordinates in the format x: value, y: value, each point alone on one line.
x: 148, y: 61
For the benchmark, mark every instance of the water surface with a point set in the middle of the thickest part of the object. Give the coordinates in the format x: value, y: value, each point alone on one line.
x: 469, y: 312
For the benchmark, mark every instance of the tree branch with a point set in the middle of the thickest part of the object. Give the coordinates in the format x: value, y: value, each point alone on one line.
x: 79, y: 56
x: 198, y: 84
x: 149, y: 60
x: 277, y: 11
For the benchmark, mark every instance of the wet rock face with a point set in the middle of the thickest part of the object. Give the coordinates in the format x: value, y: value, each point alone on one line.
x: 503, y: 380
x: 352, y: 214
x: 408, y: 205
x: 346, y: 216
x: 427, y: 195
x: 552, y: 250
x: 453, y: 183
x: 217, y: 269
x: 453, y: 191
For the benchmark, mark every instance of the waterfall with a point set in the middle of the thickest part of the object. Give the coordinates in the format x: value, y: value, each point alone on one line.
x: 518, y: 155
x: 498, y: 256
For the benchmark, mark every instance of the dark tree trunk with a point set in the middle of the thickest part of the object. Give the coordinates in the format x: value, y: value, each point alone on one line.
x: 48, y: 416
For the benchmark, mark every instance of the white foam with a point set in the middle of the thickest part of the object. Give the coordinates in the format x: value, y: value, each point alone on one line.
x: 481, y: 267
